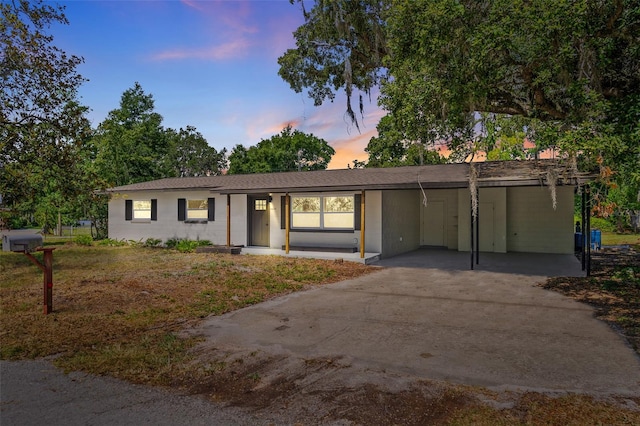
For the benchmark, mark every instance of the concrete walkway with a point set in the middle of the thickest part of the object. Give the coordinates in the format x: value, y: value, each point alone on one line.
x: 471, y: 327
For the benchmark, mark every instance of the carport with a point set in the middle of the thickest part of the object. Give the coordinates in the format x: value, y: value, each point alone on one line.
x: 532, y: 264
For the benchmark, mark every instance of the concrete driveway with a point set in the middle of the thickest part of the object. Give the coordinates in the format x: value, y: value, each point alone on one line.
x: 487, y: 328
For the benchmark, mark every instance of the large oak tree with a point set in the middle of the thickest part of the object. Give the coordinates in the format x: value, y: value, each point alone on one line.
x: 569, y: 70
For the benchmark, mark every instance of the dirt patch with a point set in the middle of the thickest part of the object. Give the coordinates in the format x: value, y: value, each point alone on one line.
x: 321, y: 391
x: 613, y: 289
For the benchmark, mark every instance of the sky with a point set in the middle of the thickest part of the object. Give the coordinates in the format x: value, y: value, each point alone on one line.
x: 208, y: 64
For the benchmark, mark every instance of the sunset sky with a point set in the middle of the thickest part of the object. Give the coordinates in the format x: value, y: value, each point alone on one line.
x: 209, y: 64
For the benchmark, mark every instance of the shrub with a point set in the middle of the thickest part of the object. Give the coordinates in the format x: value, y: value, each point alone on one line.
x: 172, y: 243
x: 186, y: 246
x: 83, y: 240
x: 152, y: 242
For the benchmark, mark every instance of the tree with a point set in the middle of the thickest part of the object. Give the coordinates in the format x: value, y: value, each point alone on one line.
x: 340, y: 45
x: 43, y: 130
x: 290, y: 150
x: 569, y: 69
x: 192, y: 154
x: 132, y: 146
x: 545, y: 59
x: 391, y: 148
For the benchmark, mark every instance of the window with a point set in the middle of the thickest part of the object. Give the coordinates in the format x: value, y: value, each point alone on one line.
x: 323, y: 212
x: 260, y: 205
x: 338, y: 212
x: 197, y: 210
x: 141, y: 210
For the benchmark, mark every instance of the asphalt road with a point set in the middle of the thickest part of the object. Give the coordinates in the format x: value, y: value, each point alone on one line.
x: 36, y: 393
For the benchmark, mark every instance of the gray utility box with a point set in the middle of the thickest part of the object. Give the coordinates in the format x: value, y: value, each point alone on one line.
x: 21, y: 242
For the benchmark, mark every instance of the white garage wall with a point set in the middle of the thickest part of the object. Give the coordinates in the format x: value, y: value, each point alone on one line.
x: 534, y: 226
x: 449, y: 197
x: 400, y: 222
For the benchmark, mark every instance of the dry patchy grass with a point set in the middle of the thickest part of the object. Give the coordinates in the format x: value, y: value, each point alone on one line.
x: 117, y: 309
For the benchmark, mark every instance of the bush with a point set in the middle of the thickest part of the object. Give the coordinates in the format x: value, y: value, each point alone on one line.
x: 152, y: 242
x: 83, y: 240
x: 186, y: 246
x: 172, y: 243
x: 599, y: 223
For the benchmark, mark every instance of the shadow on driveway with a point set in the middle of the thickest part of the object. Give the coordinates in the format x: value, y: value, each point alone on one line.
x: 536, y: 264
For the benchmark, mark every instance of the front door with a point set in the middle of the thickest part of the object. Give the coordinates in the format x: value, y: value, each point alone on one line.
x: 259, y: 222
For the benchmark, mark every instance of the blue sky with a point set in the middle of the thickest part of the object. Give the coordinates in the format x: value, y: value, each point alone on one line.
x: 209, y: 64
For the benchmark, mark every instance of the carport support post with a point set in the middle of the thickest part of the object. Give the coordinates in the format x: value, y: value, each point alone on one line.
x: 472, y: 231
x: 362, y: 226
x: 588, y: 219
x: 583, y: 227
x: 478, y: 227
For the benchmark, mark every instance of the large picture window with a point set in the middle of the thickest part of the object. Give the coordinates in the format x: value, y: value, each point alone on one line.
x: 322, y: 212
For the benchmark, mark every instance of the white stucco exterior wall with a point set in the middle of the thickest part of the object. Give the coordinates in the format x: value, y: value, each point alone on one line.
x: 167, y: 226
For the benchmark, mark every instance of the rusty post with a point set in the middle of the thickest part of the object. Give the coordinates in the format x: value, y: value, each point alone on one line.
x: 48, y: 280
x: 47, y: 269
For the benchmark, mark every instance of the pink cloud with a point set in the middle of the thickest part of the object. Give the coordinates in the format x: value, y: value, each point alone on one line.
x: 233, y: 49
x: 350, y: 148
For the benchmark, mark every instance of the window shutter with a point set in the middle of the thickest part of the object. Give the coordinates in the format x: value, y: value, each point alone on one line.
x: 182, y: 209
x: 357, y: 211
x: 154, y: 209
x: 283, y: 213
x: 128, y: 209
x: 211, y: 209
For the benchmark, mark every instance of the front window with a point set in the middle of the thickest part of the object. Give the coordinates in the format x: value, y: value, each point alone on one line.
x: 338, y: 212
x: 142, y: 209
x: 197, y: 209
x: 322, y: 212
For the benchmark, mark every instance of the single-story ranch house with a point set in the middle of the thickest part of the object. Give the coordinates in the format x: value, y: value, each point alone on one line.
x: 520, y: 206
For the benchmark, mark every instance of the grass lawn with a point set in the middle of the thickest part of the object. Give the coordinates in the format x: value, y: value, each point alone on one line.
x: 118, y: 311
x: 614, y: 239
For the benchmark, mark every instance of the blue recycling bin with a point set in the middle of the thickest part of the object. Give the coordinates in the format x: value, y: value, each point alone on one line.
x: 578, y: 241
x: 596, y: 239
